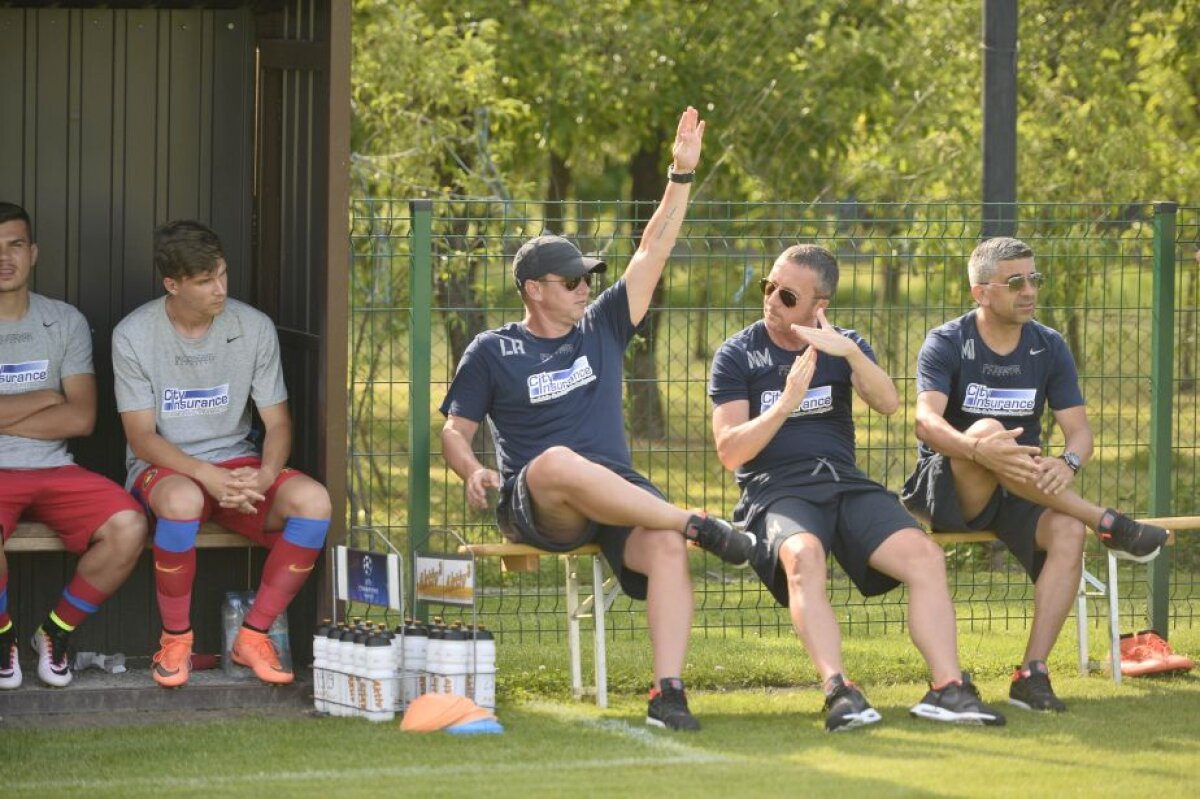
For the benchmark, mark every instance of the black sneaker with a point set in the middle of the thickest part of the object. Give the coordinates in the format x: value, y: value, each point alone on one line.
x: 1130, y: 539
x: 720, y: 538
x: 847, y: 707
x: 10, y: 667
x: 957, y: 703
x: 668, y: 707
x: 1031, y: 689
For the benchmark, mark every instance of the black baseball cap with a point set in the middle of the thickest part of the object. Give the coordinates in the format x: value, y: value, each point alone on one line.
x: 552, y: 255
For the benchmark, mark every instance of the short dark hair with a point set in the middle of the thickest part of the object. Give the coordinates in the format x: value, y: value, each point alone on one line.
x: 186, y: 248
x: 819, y: 260
x: 11, y: 212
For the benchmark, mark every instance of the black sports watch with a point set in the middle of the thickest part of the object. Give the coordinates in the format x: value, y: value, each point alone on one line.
x: 1073, y: 460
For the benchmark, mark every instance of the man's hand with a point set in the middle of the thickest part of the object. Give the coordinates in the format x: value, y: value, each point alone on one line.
x: 824, y: 338
x: 1000, y: 453
x: 685, y: 152
x: 249, y: 486
x: 1054, y: 475
x: 226, y: 489
x: 798, y: 379
x: 478, y: 484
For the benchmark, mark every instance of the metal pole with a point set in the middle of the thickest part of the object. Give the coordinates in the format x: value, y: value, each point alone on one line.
x: 1162, y: 384
x: 999, y: 106
x: 420, y: 345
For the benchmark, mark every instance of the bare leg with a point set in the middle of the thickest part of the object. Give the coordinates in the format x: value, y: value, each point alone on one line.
x: 663, y: 559
x: 113, y: 551
x: 911, y: 557
x: 803, y: 561
x: 1062, y: 537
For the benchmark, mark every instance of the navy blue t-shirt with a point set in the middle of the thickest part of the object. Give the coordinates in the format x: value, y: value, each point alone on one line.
x: 1012, y: 388
x: 749, y: 366
x: 542, y: 392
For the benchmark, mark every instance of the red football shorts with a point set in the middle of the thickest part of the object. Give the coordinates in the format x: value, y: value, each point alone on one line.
x: 70, y: 500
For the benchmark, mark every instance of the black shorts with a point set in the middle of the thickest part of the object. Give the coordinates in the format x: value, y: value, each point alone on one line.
x: 930, y: 493
x: 515, y: 518
x: 850, y: 517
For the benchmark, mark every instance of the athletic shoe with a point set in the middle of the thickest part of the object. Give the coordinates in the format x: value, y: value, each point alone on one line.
x: 1147, y: 653
x: 10, y: 667
x: 668, y: 707
x: 1031, y: 688
x: 173, y: 661
x: 720, y: 538
x: 1130, y: 539
x: 846, y: 707
x: 54, y: 663
x: 956, y: 703
x: 254, y: 649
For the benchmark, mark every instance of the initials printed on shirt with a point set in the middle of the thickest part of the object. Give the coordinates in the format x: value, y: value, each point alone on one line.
x: 545, y: 386
x: 758, y: 360
x: 816, y: 400
x: 986, y: 401
x: 20, y: 374
x: 178, y: 402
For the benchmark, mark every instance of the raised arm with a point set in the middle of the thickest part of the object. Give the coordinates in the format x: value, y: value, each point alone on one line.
x: 873, y: 384
x: 658, y: 239
x: 740, y: 438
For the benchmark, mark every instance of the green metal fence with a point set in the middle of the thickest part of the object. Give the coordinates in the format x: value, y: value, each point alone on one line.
x: 1124, y: 288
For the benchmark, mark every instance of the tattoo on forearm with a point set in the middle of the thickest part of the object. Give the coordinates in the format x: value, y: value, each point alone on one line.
x: 666, y: 221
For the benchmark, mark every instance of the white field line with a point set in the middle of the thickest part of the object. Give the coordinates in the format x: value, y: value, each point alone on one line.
x: 665, y: 747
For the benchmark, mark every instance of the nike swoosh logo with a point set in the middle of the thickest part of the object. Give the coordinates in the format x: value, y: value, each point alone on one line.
x: 231, y: 340
x: 47, y: 324
x: 295, y: 570
x: 1037, y: 352
x: 169, y: 570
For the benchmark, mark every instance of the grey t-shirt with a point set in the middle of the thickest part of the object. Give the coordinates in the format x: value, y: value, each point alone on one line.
x: 200, y: 389
x: 50, y: 343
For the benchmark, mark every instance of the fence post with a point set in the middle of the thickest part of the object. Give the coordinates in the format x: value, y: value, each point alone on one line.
x: 1162, y: 389
x: 420, y: 343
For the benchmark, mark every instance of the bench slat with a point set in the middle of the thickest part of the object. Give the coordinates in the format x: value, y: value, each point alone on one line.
x: 35, y: 537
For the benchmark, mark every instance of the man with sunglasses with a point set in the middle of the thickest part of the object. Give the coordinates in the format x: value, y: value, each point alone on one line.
x: 551, y: 387
x: 983, y: 381
x: 782, y: 391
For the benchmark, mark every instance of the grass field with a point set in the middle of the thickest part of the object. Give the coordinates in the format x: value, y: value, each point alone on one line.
x: 1134, y: 739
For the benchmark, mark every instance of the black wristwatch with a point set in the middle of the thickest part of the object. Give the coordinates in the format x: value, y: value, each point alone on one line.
x: 1073, y: 460
x: 680, y: 177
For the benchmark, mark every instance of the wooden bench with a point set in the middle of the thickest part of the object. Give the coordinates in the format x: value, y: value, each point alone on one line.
x: 35, y: 537
x: 524, y: 558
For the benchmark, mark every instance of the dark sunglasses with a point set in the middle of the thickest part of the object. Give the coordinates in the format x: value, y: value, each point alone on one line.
x: 786, y: 296
x: 571, y: 283
x: 1017, y: 282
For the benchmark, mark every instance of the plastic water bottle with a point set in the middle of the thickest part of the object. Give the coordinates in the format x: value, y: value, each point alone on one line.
x: 279, y: 636
x: 380, y: 679
x: 320, y: 665
x: 232, y: 613
x: 358, y: 672
x: 415, y: 644
x: 433, y: 660
x: 345, y: 658
x: 455, y: 662
x: 483, y: 690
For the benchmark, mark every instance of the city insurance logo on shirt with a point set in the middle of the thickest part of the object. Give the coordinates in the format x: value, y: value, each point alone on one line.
x: 983, y: 400
x: 22, y: 374
x: 177, y: 402
x: 816, y: 400
x: 545, y: 386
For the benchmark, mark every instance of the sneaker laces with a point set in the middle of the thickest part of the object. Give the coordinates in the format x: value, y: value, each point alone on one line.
x: 174, y: 653
x: 262, y: 646
x: 57, y: 647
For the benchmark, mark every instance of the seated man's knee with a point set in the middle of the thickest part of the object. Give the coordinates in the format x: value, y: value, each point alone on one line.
x: 551, y: 467
x: 125, y: 532
x: 666, y: 545
x: 985, y: 427
x: 177, y: 498
x: 1066, y: 535
x: 803, y: 559
x: 308, y: 499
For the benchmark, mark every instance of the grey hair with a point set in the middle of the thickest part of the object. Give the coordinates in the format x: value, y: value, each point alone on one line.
x: 989, y: 253
x: 819, y: 260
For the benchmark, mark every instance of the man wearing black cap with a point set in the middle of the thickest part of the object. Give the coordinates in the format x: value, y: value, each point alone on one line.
x: 551, y: 387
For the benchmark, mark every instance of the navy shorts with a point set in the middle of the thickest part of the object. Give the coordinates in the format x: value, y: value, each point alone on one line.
x: 930, y: 493
x: 515, y: 518
x: 851, y: 518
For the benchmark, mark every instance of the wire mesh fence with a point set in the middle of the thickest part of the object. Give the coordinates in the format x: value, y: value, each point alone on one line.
x: 903, y: 272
